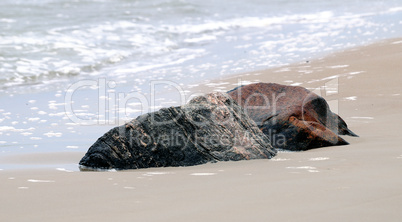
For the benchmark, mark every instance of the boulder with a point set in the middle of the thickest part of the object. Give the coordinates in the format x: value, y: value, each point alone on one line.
x: 293, y: 117
x: 209, y: 128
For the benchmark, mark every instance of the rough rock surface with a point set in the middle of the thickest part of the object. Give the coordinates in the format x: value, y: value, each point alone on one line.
x: 209, y: 128
x: 293, y: 117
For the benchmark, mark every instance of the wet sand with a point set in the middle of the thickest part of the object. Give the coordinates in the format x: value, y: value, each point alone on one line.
x: 358, y: 182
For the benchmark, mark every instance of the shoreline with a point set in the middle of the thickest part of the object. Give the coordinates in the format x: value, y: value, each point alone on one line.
x: 282, y: 75
x: 294, y: 69
x: 356, y: 182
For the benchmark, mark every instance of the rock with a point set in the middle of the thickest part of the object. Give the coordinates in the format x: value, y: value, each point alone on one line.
x: 293, y: 117
x: 209, y: 128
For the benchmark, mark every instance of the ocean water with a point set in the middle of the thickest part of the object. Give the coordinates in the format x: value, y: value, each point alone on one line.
x: 45, y: 42
x: 72, y: 69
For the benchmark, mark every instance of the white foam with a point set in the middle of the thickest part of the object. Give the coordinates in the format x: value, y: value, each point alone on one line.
x: 319, y: 158
x: 72, y: 147
x: 362, y: 117
x: 338, y: 66
x: 12, y: 129
x: 279, y: 159
x: 6, y: 20
x: 64, y: 170
x: 205, y: 38
x: 397, y: 42
x: 331, y: 77
x: 203, y: 174
x: 53, y: 134
x: 243, y: 82
x: 54, y: 106
x: 355, y: 73
x: 33, y: 119
x: 135, y: 104
x: 296, y: 84
x: 150, y: 174
x: 158, y: 173
x: 35, y: 138
x: 302, y: 168
x: 395, y: 9
x: 41, y: 181
x: 352, y: 98
x: 57, y: 114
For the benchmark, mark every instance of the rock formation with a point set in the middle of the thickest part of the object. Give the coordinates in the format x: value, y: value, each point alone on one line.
x: 293, y: 117
x: 208, y: 129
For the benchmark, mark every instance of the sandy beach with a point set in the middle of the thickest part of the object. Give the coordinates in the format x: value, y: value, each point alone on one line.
x: 358, y: 182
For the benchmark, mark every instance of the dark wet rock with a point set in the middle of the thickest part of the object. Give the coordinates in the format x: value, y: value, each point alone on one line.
x: 208, y: 129
x: 293, y: 117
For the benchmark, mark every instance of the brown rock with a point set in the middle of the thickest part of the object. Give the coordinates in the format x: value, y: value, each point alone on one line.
x: 293, y: 117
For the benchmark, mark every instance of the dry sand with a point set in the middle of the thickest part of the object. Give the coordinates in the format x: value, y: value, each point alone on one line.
x: 358, y: 182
